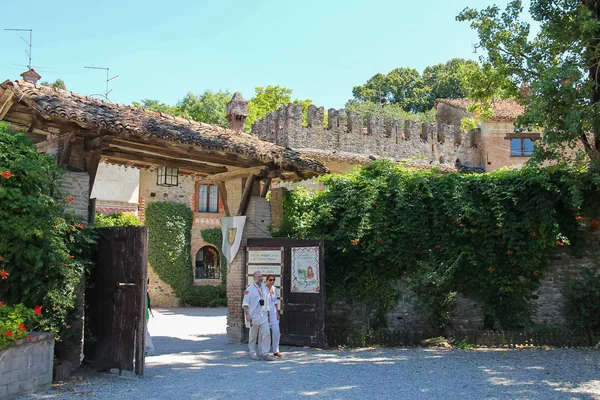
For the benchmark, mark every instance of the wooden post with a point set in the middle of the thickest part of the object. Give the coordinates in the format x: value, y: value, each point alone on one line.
x: 247, y: 194
x: 223, y: 193
x: 266, y: 187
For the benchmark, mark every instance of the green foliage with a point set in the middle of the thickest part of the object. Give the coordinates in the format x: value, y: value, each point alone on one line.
x: 116, y: 219
x: 267, y: 100
x: 14, y: 323
x: 489, y: 237
x: 394, y: 111
x: 43, y: 251
x: 58, y: 84
x: 414, y: 92
x: 209, y: 107
x: 560, y: 62
x: 169, y: 235
x: 583, y: 302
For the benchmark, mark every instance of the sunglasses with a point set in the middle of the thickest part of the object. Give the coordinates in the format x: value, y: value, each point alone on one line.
x: 271, y: 280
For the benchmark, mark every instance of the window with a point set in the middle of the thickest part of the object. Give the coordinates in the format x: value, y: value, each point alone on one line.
x: 207, y: 264
x: 208, y: 198
x: 521, y: 147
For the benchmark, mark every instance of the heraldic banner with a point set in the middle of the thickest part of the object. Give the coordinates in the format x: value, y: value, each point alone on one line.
x: 232, y: 229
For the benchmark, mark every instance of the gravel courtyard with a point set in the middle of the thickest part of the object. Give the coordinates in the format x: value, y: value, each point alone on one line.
x: 193, y: 360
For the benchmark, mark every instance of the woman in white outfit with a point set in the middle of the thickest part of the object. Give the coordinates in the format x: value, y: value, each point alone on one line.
x: 273, y: 315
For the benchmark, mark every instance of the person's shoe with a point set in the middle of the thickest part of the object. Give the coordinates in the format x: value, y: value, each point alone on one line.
x: 278, y: 354
x: 268, y: 357
x: 254, y: 357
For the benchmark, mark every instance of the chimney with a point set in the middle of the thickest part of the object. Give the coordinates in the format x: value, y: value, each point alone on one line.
x: 526, y: 90
x: 31, y: 76
x: 237, y: 112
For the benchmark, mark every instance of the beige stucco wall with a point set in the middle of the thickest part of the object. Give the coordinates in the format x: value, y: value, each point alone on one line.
x: 116, y: 183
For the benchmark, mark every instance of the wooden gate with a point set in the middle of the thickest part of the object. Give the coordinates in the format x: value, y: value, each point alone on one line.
x: 116, y: 301
x: 303, y: 314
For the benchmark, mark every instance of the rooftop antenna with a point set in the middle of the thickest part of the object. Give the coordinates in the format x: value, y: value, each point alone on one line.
x: 28, y: 43
x: 107, y: 80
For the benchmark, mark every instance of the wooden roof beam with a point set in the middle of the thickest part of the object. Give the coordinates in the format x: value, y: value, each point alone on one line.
x: 191, y: 166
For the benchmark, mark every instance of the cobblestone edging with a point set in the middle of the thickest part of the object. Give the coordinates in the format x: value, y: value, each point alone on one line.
x: 26, y: 366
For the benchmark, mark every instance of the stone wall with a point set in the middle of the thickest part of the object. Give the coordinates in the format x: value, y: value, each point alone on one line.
x: 26, y: 366
x: 548, y: 302
x: 258, y: 219
x: 395, y: 139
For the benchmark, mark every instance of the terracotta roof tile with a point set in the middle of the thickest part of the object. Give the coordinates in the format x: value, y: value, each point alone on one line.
x: 124, y: 121
x: 504, y: 109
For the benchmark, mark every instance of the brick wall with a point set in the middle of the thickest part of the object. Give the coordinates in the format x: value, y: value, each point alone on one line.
x: 258, y: 219
x: 26, y: 366
x: 77, y: 185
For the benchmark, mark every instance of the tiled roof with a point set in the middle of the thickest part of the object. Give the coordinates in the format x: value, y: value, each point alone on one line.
x: 504, y: 109
x: 126, y: 121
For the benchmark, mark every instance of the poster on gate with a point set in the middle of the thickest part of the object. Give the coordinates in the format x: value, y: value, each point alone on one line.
x: 305, y: 270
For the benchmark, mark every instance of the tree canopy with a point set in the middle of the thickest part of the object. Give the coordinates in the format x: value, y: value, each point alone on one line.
x: 558, y: 65
x: 415, y: 92
x: 268, y: 99
x: 209, y: 107
x: 59, y: 84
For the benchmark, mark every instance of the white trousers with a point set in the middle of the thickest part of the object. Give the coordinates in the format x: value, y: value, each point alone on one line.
x: 275, y: 336
x: 260, y: 333
x: 149, y: 344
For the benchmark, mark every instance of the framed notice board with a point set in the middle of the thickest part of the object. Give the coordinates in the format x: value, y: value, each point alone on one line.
x: 269, y: 261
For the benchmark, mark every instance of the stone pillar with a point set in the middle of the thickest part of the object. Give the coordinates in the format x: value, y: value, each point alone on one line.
x: 258, y: 219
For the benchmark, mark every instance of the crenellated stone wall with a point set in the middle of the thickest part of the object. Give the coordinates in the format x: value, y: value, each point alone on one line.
x: 390, y: 138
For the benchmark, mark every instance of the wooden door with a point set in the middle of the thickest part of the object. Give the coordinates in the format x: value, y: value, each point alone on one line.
x: 116, y: 301
x: 303, y: 314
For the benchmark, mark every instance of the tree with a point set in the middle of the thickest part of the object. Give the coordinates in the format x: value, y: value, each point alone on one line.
x: 209, y: 107
x: 415, y: 92
x: 58, y: 84
x: 393, y: 111
x: 268, y: 99
x: 558, y: 66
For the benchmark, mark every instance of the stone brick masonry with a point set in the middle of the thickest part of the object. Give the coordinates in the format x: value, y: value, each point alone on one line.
x: 26, y: 366
x: 395, y: 139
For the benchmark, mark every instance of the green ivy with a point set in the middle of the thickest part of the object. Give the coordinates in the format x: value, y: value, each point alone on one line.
x: 169, y: 254
x: 583, y: 302
x: 169, y: 237
x: 489, y: 237
x: 116, y: 219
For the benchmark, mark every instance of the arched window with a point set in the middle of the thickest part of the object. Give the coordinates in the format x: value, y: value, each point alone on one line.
x: 207, y: 264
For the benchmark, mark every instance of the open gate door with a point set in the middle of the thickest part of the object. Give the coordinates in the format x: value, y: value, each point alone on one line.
x: 302, y: 289
x: 116, y: 300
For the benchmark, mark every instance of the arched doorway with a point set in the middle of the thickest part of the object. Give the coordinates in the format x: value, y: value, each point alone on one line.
x: 207, y: 264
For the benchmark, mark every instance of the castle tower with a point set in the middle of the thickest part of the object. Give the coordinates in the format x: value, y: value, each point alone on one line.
x: 237, y: 112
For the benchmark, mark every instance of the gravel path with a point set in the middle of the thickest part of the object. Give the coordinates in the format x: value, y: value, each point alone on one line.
x: 193, y: 360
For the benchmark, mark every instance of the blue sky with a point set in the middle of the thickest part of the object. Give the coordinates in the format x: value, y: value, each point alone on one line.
x: 161, y: 50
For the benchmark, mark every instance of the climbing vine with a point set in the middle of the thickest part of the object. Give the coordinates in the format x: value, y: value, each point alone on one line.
x: 489, y: 237
x: 169, y: 245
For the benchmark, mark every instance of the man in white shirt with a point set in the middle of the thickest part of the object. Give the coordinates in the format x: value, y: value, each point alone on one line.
x: 256, y: 310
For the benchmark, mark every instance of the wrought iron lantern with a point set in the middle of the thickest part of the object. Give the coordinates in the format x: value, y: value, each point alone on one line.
x: 167, y: 176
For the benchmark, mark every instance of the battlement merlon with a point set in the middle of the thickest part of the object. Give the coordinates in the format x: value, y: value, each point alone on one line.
x: 346, y: 131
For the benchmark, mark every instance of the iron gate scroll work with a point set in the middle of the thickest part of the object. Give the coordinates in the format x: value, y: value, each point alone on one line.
x: 116, y: 300
x: 302, y: 290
